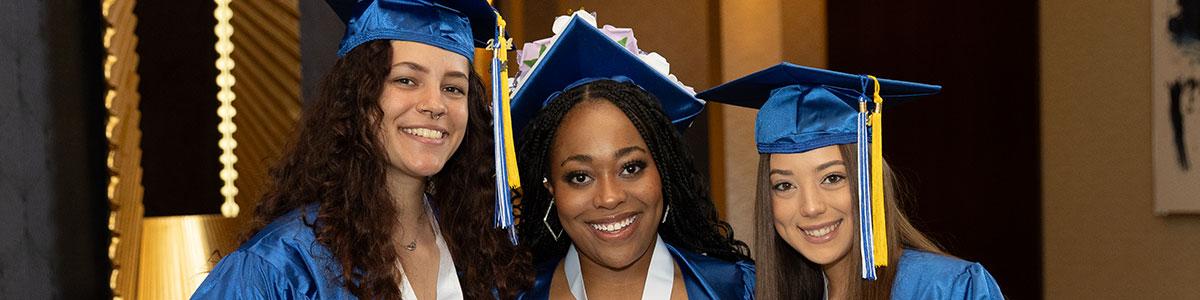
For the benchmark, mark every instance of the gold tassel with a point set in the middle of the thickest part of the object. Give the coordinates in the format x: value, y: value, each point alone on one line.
x: 878, y: 219
x: 510, y: 153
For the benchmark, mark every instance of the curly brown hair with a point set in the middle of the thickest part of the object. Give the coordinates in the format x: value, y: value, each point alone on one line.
x: 336, y: 161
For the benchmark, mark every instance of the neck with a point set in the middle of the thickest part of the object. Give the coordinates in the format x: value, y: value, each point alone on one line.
x: 602, y: 280
x: 839, y: 275
x: 407, y: 192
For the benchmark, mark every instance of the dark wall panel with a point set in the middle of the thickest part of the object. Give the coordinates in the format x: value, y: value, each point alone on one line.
x: 52, y: 175
x: 179, y: 107
x: 969, y: 156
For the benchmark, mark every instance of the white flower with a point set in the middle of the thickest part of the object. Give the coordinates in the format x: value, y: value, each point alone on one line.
x: 657, y: 62
x: 561, y: 22
x: 531, y: 53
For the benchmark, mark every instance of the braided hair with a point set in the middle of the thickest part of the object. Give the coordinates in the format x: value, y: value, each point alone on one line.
x: 692, y: 225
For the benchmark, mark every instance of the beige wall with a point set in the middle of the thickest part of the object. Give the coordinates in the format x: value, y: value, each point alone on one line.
x: 1101, y: 238
x: 755, y: 34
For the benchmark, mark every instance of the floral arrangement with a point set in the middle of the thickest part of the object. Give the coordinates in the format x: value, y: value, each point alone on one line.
x: 531, y: 53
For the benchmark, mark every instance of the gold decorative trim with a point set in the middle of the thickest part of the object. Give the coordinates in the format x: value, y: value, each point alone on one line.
x: 225, y: 81
x: 268, y: 89
x: 124, y: 192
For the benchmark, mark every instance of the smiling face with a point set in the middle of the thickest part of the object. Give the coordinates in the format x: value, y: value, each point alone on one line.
x: 424, y: 104
x: 606, y: 186
x: 812, y: 203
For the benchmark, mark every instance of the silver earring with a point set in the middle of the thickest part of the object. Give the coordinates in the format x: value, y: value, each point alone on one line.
x: 546, y: 221
x: 665, y: 214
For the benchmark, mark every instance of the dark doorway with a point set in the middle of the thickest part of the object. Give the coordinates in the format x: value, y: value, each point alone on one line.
x: 969, y: 157
x: 179, y: 107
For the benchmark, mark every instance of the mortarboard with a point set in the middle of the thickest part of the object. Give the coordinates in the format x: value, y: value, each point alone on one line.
x: 458, y: 26
x: 581, y: 53
x: 802, y: 108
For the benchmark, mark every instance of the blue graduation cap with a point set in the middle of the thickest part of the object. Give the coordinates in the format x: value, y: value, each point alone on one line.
x: 458, y: 26
x: 802, y: 108
x: 583, y: 54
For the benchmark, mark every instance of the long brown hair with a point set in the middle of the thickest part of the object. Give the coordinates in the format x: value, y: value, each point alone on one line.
x: 336, y: 161
x: 796, y: 277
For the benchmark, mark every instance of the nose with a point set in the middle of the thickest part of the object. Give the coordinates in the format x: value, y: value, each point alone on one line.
x: 611, y: 194
x: 811, y: 203
x: 431, y: 102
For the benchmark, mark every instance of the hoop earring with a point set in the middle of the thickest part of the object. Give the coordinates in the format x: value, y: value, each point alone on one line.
x: 665, y: 214
x: 546, y: 221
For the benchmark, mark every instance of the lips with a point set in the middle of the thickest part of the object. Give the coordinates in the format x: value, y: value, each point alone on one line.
x: 614, y: 228
x: 821, y: 233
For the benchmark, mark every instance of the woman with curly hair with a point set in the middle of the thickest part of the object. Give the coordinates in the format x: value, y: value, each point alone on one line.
x: 386, y: 191
x: 613, y: 207
x: 828, y: 218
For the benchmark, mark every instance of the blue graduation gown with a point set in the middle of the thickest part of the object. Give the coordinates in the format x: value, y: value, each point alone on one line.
x: 924, y: 275
x: 281, y: 261
x: 705, y: 277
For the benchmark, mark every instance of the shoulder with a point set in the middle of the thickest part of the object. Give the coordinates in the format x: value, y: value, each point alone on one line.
x: 720, y: 279
x: 923, y: 274
x: 541, y: 284
x: 282, y: 258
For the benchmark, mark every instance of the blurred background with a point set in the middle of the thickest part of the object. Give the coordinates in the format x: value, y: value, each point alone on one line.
x: 1035, y: 160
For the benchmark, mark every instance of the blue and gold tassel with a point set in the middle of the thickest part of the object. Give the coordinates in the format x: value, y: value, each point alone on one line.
x: 507, y: 176
x: 866, y: 240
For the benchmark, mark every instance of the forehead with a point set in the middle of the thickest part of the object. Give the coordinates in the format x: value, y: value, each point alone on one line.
x: 428, y: 56
x: 596, y: 128
x: 805, y: 160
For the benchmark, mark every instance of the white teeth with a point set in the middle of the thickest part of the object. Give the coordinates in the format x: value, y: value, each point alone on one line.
x: 615, y: 226
x: 820, y: 232
x: 425, y: 133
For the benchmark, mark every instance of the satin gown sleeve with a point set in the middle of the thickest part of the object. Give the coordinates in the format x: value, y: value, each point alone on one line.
x: 242, y: 275
x: 925, y: 275
x: 747, y: 270
x: 281, y: 261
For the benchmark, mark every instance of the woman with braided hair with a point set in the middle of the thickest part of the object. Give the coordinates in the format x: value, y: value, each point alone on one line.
x: 613, y: 207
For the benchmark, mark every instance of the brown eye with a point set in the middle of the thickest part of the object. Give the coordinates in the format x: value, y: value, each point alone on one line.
x: 404, y: 81
x: 454, y: 90
x: 783, y: 186
x: 578, y: 178
x: 633, y: 168
x: 833, y: 179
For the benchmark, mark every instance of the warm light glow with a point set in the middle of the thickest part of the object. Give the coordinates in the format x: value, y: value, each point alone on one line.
x: 225, y: 81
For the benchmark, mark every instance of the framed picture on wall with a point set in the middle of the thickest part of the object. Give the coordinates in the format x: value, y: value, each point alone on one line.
x: 1175, y: 42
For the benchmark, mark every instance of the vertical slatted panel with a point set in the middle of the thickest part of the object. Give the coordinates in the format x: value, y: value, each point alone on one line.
x: 124, y: 139
x: 267, y: 40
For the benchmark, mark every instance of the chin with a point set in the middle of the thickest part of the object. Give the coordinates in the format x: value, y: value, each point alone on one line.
x: 419, y: 168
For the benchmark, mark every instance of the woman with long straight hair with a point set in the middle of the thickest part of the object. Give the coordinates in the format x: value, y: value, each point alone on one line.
x: 828, y: 222
x: 386, y: 189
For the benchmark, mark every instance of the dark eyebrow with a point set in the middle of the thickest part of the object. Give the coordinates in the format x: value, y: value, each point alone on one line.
x: 830, y: 164
x: 457, y: 74
x: 627, y: 151
x: 578, y: 157
x: 412, y: 65
x: 780, y: 172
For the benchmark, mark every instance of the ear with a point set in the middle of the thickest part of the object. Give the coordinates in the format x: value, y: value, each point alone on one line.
x: 546, y: 184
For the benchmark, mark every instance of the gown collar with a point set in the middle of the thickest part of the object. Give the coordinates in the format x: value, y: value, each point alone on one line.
x: 659, y: 278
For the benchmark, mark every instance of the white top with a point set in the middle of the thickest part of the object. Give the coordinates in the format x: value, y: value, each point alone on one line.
x: 447, y: 283
x: 659, y: 278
